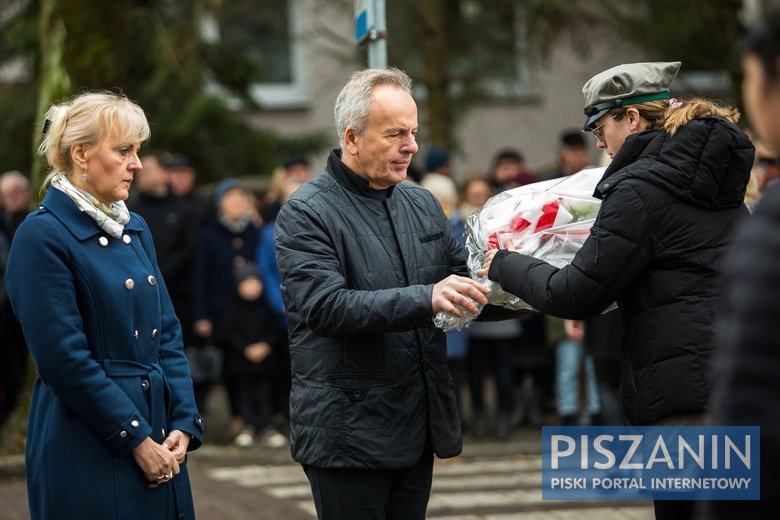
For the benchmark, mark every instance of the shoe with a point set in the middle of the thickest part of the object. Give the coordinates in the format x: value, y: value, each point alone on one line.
x: 273, y: 439
x: 245, y: 439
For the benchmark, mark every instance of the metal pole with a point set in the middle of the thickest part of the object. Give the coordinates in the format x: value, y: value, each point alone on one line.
x: 377, y: 38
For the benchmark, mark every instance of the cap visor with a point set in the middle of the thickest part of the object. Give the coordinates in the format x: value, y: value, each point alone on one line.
x: 592, y: 119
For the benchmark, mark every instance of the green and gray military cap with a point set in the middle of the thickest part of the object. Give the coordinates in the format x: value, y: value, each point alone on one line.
x: 627, y: 84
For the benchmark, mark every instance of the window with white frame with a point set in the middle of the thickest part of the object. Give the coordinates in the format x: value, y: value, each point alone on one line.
x: 268, y: 32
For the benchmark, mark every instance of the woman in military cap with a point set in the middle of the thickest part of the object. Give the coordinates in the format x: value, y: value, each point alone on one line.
x: 670, y: 200
x: 113, y: 412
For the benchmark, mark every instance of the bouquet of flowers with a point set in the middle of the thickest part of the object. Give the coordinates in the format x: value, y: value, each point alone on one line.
x: 548, y: 220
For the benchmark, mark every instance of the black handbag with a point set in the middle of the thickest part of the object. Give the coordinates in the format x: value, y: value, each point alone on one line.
x: 206, y: 363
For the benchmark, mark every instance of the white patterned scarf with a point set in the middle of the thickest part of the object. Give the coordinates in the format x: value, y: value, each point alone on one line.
x: 111, y: 218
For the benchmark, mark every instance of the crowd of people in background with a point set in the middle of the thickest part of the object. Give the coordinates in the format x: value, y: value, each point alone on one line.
x: 215, y: 250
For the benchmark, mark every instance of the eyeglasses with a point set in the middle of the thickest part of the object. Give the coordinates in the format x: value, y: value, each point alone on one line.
x: 597, y: 129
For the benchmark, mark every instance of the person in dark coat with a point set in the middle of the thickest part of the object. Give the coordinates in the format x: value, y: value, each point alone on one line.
x: 113, y: 413
x: 670, y: 201
x: 15, y: 199
x: 745, y: 368
x: 251, y: 334
x: 366, y: 262
x: 226, y: 241
x: 174, y: 224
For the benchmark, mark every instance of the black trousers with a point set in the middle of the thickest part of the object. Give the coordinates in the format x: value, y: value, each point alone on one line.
x: 372, y: 494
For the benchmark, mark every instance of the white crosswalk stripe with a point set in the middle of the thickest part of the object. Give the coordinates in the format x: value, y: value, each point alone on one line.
x: 462, y: 490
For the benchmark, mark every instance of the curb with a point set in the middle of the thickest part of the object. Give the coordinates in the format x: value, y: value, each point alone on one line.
x: 12, y: 466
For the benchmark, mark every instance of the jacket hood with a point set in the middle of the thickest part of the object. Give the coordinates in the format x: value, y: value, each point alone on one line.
x: 706, y: 163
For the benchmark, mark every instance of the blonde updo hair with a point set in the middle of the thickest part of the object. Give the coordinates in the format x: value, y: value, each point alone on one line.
x: 681, y: 114
x: 672, y: 115
x: 88, y: 119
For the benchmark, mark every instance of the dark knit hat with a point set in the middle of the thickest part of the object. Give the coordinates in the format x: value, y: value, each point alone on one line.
x: 435, y: 159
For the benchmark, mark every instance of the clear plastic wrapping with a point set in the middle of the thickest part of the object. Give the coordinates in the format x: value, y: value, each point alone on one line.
x: 548, y: 220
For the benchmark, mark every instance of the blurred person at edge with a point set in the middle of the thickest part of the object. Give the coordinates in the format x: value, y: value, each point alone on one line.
x: 226, y: 241
x: 671, y: 199
x: 174, y: 225
x: 765, y: 171
x: 113, y: 413
x: 15, y: 200
x: 745, y: 368
x: 366, y: 262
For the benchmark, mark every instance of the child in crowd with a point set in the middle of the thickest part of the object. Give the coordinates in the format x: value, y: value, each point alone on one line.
x: 251, y: 334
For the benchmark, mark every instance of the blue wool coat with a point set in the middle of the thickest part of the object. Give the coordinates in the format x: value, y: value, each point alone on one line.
x: 111, y: 370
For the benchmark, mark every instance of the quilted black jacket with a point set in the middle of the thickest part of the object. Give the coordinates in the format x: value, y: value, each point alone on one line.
x: 669, y: 205
x: 370, y: 387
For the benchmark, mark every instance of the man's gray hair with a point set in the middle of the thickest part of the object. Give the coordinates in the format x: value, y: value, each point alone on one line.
x: 353, y: 104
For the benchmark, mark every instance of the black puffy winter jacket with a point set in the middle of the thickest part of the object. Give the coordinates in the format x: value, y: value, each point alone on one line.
x: 669, y: 205
x: 370, y: 386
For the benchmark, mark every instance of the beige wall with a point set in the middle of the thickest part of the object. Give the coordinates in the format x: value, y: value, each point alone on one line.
x: 532, y: 126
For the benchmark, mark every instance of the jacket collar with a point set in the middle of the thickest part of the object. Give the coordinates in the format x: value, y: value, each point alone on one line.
x: 635, y: 146
x: 79, y: 224
x: 345, y: 176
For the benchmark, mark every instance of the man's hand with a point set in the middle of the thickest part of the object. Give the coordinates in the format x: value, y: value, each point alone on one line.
x: 455, y: 293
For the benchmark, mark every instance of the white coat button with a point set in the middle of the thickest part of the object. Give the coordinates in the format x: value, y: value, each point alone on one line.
x: 129, y: 284
x: 154, y: 333
x: 103, y: 241
x: 126, y: 239
x: 152, y: 280
x: 123, y: 434
x: 135, y: 334
x: 134, y: 424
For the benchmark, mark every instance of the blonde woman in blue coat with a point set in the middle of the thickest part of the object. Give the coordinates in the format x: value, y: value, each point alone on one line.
x: 113, y: 412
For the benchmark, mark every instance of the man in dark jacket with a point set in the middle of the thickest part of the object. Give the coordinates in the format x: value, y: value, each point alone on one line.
x: 366, y: 262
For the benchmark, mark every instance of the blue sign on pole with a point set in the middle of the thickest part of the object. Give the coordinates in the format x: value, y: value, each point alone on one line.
x: 361, y: 20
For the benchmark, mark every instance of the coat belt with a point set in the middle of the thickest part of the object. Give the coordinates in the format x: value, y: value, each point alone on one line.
x: 158, y: 420
x: 153, y: 371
